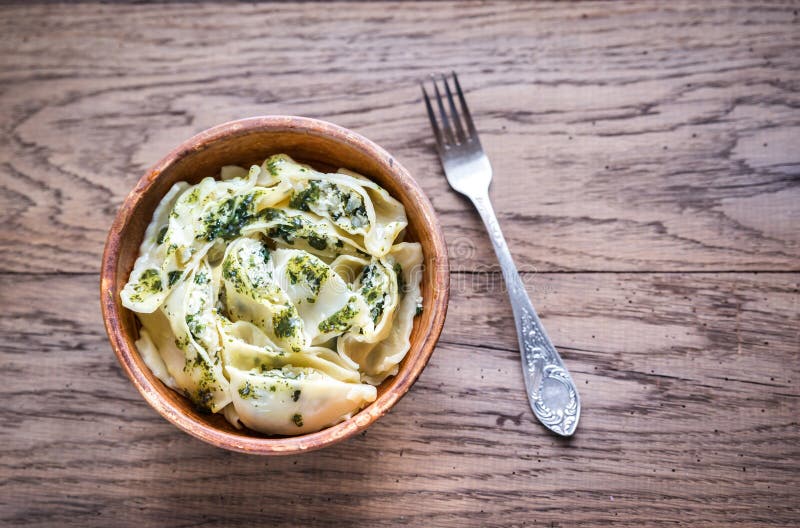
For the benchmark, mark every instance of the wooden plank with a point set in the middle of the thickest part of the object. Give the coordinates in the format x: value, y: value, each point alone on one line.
x: 623, y: 136
x: 689, y: 384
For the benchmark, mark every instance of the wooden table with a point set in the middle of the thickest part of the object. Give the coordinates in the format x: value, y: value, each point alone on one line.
x: 647, y: 176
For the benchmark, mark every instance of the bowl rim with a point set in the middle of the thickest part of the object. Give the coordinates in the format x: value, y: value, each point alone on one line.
x: 123, y: 345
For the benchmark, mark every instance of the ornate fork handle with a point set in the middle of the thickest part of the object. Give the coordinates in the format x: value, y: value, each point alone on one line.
x: 551, y: 391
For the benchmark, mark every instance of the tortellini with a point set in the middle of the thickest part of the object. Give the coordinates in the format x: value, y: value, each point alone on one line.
x: 294, y: 400
x: 378, y: 354
x: 351, y: 202
x: 278, y: 296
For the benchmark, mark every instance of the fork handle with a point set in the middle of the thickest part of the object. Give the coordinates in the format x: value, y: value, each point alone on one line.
x: 551, y: 392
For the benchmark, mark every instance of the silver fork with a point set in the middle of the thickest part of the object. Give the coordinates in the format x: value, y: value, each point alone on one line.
x: 551, y: 392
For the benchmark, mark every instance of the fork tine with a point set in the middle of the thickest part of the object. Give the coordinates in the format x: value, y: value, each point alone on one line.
x: 447, y: 131
x: 467, y: 116
x: 460, y: 136
x: 432, y: 117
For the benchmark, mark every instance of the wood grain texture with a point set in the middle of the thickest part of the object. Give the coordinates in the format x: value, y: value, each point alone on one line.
x: 689, y: 384
x: 645, y: 137
x: 647, y: 177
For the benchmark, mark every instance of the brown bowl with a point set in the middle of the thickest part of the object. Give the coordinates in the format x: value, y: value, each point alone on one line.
x: 244, y: 142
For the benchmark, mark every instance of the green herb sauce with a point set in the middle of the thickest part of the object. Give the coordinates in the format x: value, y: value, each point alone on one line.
x: 173, y: 277
x: 401, y: 282
x: 149, y: 281
x: 286, y: 323
x: 195, y: 326
x: 161, y: 235
x: 246, y: 391
x: 233, y: 214
x: 309, y: 270
x: 374, y: 285
x: 341, y: 320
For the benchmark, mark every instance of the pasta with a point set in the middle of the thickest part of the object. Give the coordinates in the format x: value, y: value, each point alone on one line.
x: 278, y: 296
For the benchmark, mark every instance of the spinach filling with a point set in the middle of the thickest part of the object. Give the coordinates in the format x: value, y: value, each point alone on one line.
x: 309, y: 270
x: 345, y: 208
x: 230, y: 217
x: 374, y: 288
x: 286, y: 323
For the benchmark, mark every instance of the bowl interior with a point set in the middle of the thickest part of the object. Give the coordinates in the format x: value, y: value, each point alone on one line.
x: 243, y: 143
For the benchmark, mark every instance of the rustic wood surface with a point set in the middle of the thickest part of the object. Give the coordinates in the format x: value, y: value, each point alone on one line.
x: 647, y: 175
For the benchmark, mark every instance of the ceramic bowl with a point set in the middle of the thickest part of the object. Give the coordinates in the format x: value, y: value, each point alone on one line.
x: 325, y: 146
